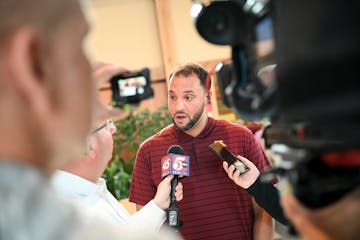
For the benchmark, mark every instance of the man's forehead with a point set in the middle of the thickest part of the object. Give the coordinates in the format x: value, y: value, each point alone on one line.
x: 187, y: 86
x: 181, y: 79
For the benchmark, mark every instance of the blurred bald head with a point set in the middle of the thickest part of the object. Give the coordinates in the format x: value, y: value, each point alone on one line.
x: 44, y: 14
x: 46, y: 85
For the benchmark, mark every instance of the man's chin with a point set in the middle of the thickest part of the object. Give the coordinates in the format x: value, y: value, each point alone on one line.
x: 183, y: 127
x: 179, y: 127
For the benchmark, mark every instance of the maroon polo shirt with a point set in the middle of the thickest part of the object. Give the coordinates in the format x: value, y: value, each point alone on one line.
x: 213, y: 206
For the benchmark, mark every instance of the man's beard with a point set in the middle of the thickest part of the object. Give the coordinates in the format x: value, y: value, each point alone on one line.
x: 192, y: 122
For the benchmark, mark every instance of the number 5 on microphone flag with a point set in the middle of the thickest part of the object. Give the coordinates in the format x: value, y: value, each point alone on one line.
x: 175, y: 164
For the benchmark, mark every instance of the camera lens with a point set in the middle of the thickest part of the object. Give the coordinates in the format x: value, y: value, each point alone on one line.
x: 218, y: 23
x: 214, y: 27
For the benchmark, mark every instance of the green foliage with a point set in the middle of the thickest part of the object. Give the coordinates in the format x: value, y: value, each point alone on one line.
x: 117, y: 179
x: 131, y: 132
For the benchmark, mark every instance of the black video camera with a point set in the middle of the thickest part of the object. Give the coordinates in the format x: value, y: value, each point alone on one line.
x: 131, y: 88
x: 314, y: 103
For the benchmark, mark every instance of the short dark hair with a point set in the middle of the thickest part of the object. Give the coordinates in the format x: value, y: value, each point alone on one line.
x: 189, y: 69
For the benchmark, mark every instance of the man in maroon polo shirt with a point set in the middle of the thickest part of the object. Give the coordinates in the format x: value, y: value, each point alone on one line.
x: 213, y: 206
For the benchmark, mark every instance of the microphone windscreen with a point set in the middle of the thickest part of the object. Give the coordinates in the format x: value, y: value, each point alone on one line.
x: 175, y: 149
x: 175, y: 162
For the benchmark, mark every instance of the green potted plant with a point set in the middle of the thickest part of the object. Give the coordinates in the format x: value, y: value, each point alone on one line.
x: 131, y: 132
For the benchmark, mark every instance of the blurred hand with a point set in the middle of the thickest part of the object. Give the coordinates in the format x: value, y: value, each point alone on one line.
x: 341, y: 220
x: 245, y: 180
x: 102, y: 73
x: 162, y: 197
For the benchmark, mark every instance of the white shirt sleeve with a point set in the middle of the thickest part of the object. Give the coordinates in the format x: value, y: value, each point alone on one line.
x: 149, y: 217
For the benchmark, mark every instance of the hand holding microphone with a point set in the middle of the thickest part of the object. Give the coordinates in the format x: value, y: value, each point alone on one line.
x: 177, y: 164
x: 162, y: 197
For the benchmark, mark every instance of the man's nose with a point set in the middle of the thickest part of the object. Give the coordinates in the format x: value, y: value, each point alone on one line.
x: 179, y: 105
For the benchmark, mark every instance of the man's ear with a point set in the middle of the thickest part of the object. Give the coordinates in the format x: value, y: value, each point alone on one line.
x: 92, y: 150
x: 208, y: 97
x: 25, y: 70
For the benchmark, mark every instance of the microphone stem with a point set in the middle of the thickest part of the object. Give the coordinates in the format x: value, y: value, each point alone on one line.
x: 173, y: 212
x: 174, y: 183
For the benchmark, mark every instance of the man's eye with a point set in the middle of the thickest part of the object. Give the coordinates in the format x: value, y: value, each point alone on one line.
x: 172, y: 97
x: 189, y: 98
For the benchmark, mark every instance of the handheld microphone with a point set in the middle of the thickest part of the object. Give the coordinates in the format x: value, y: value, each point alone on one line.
x: 176, y: 163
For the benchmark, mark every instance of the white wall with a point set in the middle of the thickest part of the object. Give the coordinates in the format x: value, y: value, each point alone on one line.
x: 126, y: 32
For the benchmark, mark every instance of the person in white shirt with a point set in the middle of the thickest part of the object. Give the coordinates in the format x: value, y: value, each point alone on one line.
x: 80, y: 183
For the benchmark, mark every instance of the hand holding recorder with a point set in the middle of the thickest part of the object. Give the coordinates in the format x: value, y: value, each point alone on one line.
x: 220, y: 150
x: 242, y: 180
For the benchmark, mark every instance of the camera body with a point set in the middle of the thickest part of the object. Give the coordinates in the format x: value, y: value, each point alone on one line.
x: 131, y: 87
